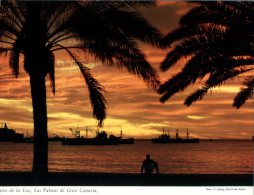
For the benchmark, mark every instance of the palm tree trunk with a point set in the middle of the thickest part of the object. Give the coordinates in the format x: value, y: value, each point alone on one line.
x: 38, y: 93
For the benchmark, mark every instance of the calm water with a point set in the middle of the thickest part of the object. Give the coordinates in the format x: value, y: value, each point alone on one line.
x: 205, y: 157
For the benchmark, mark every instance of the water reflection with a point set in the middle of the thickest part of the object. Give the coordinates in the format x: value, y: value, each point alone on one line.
x: 205, y: 157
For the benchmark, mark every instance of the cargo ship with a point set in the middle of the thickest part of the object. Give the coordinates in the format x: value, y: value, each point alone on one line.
x: 9, y: 135
x: 101, y: 138
x: 165, y: 138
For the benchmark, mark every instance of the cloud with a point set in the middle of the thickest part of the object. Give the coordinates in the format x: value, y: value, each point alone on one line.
x: 131, y: 104
x: 166, y: 15
x: 196, y: 117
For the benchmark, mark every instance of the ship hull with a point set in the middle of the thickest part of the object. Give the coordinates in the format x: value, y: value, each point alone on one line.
x: 127, y: 141
x: 175, y: 141
x: 88, y: 141
x: 95, y: 141
x: 24, y: 140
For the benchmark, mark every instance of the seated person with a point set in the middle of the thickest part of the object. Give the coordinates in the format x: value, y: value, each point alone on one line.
x: 149, y: 165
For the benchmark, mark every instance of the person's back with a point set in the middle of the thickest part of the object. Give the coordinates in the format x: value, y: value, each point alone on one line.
x: 149, y: 165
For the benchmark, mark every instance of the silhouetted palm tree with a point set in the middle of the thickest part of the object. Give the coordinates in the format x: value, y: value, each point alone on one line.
x: 216, y: 41
x: 108, y: 31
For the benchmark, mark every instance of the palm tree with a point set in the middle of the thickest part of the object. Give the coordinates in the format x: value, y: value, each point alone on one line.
x: 216, y: 41
x: 108, y: 31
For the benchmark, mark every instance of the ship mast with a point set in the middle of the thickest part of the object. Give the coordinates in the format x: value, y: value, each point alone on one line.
x: 177, y: 136
x: 187, y: 133
x: 86, y: 132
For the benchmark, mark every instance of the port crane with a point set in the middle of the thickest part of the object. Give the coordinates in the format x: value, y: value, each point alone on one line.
x: 88, y: 128
x: 75, y: 132
x: 97, y: 131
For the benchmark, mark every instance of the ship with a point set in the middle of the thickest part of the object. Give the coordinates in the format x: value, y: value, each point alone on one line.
x: 9, y: 135
x: 27, y: 140
x: 55, y: 138
x: 126, y: 140
x: 101, y: 138
x: 165, y: 138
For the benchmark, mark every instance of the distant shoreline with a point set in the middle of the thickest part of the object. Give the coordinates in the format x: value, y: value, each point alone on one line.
x: 123, y: 179
x: 149, y: 139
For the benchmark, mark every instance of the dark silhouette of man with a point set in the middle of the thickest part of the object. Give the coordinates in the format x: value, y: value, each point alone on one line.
x: 149, y: 165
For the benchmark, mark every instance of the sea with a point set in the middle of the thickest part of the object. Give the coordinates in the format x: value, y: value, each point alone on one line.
x: 206, y: 157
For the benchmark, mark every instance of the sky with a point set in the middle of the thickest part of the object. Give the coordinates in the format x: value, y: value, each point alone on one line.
x: 132, y: 106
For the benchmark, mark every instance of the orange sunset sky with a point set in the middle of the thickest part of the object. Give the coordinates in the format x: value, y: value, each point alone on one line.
x: 130, y: 103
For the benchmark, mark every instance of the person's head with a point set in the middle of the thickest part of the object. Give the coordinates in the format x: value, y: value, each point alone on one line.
x: 148, y: 156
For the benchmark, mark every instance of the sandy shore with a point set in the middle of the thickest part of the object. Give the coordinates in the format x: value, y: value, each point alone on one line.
x: 123, y: 179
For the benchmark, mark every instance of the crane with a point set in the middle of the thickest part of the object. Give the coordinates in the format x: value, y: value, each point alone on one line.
x: 91, y: 128
x: 75, y: 133
x: 88, y: 128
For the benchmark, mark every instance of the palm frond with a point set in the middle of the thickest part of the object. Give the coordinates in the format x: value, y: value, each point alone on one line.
x: 116, y: 45
x: 4, y: 51
x: 51, y: 71
x: 97, y: 9
x: 188, y: 31
x: 133, y: 24
x: 129, y: 23
x: 212, y: 12
x: 197, y: 95
x: 215, y: 80
x: 96, y: 97
x: 133, y: 62
x: 188, y: 47
x: 109, y: 5
x: 177, y: 83
x: 220, y: 68
x: 11, y: 17
x: 218, y: 78
x: 57, y: 18
x: 140, y: 67
x: 217, y: 36
x: 120, y: 51
x: 14, y: 57
x: 12, y: 8
x: 192, y: 70
x: 6, y: 27
x: 246, y: 92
